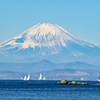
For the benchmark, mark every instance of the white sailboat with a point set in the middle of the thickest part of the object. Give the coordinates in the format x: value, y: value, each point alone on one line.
x: 24, y: 77
x: 28, y: 78
x: 40, y: 78
x: 99, y: 79
x: 43, y: 78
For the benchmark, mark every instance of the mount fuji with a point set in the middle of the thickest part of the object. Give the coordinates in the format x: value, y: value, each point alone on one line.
x: 51, y: 42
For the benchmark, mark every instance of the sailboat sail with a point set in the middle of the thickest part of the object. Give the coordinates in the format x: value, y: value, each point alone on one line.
x: 28, y: 78
x: 40, y: 78
x: 25, y: 77
x: 99, y: 78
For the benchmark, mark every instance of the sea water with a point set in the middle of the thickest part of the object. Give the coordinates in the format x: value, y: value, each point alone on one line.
x: 46, y: 90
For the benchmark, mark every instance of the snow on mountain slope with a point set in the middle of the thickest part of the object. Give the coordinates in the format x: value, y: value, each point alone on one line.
x: 43, y: 35
x: 48, y: 41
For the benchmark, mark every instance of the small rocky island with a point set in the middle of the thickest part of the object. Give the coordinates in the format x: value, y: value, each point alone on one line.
x: 72, y: 83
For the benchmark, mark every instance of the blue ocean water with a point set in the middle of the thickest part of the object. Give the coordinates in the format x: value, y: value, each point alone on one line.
x: 46, y: 90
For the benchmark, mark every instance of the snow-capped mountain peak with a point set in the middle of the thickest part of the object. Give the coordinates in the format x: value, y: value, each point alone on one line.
x: 43, y: 35
x: 48, y: 41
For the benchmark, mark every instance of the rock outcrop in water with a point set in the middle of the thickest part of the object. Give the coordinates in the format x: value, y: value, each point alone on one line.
x: 64, y: 82
x: 72, y: 83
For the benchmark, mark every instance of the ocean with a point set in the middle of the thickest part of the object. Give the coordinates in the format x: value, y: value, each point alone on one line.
x: 46, y: 90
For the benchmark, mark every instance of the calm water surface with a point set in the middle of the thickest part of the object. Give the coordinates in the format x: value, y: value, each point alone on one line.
x: 46, y: 90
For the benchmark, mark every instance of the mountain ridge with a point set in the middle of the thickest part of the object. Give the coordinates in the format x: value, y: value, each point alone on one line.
x: 45, y: 65
x: 58, y: 74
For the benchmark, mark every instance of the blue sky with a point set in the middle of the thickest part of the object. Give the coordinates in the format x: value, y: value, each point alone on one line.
x: 80, y: 17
